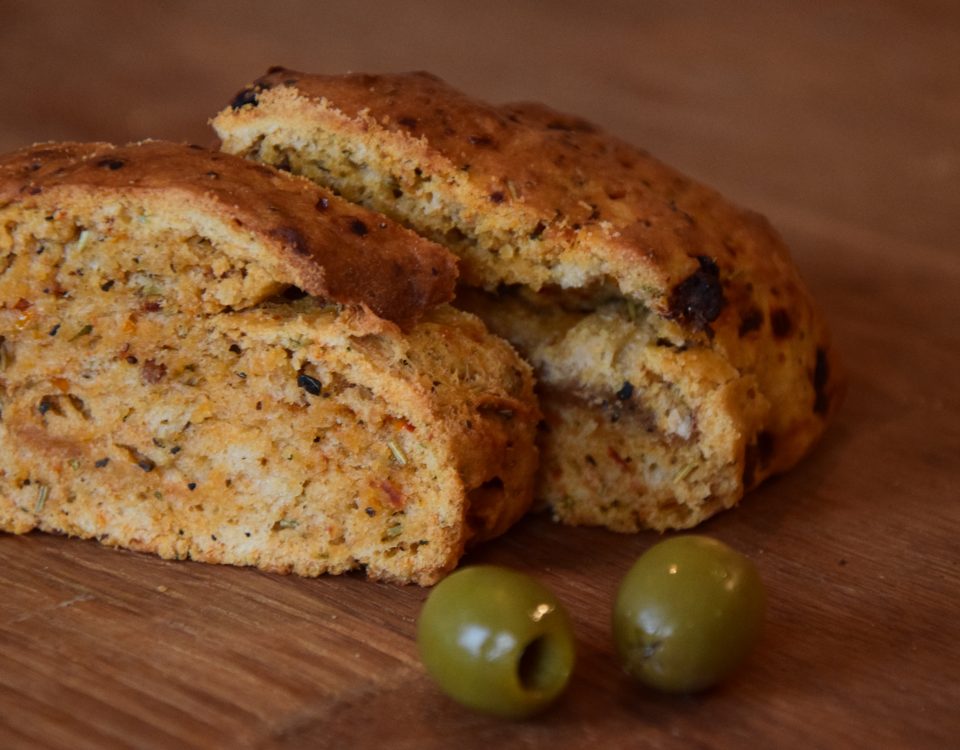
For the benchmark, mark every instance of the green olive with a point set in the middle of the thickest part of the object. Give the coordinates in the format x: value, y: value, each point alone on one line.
x: 687, y: 613
x: 496, y: 641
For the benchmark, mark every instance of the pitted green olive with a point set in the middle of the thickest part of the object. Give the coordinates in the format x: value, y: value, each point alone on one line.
x: 496, y: 641
x: 687, y: 613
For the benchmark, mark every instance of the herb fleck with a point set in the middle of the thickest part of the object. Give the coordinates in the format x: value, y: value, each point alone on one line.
x: 85, y: 331
x: 42, y: 493
x: 685, y: 472
x: 397, y: 452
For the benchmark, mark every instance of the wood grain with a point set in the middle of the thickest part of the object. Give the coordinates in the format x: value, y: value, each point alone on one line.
x: 840, y: 122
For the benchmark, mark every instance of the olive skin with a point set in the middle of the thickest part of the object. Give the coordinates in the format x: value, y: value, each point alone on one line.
x: 687, y: 614
x: 496, y: 641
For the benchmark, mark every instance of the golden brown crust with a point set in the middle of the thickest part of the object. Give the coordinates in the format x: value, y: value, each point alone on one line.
x: 330, y: 248
x: 548, y: 201
x: 542, y: 166
x: 158, y: 392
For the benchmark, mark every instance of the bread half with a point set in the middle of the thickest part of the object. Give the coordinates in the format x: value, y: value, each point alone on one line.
x: 197, y: 360
x: 680, y: 358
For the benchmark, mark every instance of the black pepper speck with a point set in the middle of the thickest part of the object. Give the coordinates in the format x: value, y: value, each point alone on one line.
x: 780, y: 323
x: 751, y: 321
x: 311, y: 385
x: 483, y: 141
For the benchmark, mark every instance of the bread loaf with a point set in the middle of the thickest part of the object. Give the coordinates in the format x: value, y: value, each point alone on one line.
x: 680, y: 357
x: 205, y: 358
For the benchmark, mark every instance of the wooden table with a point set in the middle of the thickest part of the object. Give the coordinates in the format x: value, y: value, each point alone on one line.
x: 840, y: 121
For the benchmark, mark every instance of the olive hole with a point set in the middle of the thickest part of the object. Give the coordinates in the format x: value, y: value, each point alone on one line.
x: 534, y: 668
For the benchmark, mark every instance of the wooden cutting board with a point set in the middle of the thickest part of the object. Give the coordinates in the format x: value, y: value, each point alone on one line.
x: 841, y: 123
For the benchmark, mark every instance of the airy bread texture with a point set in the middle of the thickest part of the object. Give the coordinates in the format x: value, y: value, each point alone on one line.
x: 167, y: 386
x: 680, y: 357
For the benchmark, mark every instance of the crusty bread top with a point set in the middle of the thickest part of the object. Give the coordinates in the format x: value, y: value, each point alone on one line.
x: 612, y: 203
x: 603, y: 213
x: 331, y: 248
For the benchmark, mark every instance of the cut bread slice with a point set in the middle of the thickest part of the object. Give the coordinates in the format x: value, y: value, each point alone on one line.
x: 167, y: 385
x: 680, y: 358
